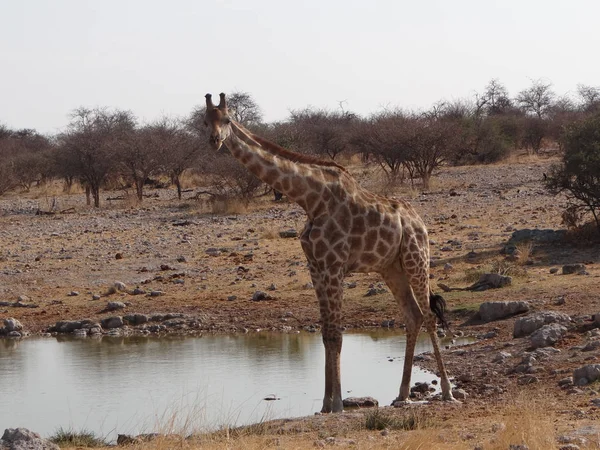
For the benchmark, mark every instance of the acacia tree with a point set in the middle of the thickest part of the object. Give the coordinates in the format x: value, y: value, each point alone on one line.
x: 144, y: 152
x: 92, y: 141
x: 323, y: 132
x: 497, y: 98
x: 579, y: 173
x: 589, y: 98
x: 536, y: 99
x: 433, y: 143
x: 386, y: 137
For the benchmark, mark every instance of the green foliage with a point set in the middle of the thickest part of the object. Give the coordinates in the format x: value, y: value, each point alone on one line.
x: 579, y: 173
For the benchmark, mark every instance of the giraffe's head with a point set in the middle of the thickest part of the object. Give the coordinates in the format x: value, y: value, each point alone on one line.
x: 217, y: 120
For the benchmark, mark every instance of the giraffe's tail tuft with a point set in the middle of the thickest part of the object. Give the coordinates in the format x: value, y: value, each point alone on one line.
x: 438, y: 306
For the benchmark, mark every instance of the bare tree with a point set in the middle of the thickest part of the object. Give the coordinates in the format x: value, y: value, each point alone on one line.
x: 590, y: 98
x: 92, y: 142
x: 244, y: 109
x: 433, y: 142
x: 537, y: 99
x: 387, y: 138
x: 498, y: 100
x: 323, y: 132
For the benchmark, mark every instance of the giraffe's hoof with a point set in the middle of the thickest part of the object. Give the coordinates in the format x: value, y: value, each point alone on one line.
x: 451, y: 399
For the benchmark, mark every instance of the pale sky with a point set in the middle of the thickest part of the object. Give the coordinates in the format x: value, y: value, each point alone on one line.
x: 159, y: 58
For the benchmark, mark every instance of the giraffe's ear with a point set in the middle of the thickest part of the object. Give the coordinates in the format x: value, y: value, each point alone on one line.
x: 222, y: 102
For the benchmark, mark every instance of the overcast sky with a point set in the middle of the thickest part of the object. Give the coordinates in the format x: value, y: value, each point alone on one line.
x: 160, y: 57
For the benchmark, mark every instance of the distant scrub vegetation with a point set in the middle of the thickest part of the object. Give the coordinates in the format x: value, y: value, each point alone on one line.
x: 102, y: 148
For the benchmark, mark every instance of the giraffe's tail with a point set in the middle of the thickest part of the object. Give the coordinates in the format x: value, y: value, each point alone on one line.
x: 438, y: 307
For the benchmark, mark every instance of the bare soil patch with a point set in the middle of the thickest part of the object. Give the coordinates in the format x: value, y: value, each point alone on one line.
x: 210, y: 266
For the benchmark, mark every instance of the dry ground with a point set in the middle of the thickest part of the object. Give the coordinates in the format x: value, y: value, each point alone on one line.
x: 468, y: 210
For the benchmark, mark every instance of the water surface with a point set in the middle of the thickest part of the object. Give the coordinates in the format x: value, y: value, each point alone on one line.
x: 142, y: 384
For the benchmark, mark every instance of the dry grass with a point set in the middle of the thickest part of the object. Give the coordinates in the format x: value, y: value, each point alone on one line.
x: 525, y: 418
x: 229, y: 206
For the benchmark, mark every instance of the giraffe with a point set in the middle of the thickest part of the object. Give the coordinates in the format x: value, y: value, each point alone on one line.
x: 348, y: 229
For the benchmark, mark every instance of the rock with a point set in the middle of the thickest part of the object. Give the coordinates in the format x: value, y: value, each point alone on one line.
x: 591, y: 346
x: 114, y: 306
x: 23, y: 299
x: 490, y: 281
x: 135, y: 319
x: 596, y: 320
x: 23, y: 439
x: 73, y: 294
x: 11, y: 324
x: 67, y: 326
x: 15, y: 334
x: 459, y: 394
x: 501, y: 357
x: 138, y: 291
x: 524, y: 326
x: 112, y: 322
x: 156, y: 293
x: 490, y: 311
x: 288, y: 234
x: 567, y: 381
x: 260, y: 295
x: 360, y: 402
x: 569, y: 269
x: 119, y: 286
x: 96, y: 297
x: 376, y: 290
x: 554, y: 270
x: 212, y: 251
x: 421, y: 388
x: 548, y: 335
x: 388, y: 323
x: 547, y: 235
x: 586, y: 374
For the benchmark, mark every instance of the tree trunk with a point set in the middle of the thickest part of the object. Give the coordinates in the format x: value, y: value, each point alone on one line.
x: 88, y: 195
x: 96, y: 194
x: 139, y: 188
x: 178, y: 185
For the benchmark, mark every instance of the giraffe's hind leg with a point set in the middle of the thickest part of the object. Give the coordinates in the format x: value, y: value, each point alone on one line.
x: 416, y: 267
x: 413, y: 318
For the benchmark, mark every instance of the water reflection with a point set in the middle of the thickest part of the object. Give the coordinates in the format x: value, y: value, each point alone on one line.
x: 135, y: 384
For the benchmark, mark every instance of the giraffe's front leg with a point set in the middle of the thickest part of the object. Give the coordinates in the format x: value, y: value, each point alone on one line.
x: 328, y: 288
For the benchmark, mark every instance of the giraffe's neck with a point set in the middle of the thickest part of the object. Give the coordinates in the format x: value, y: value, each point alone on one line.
x: 295, y: 180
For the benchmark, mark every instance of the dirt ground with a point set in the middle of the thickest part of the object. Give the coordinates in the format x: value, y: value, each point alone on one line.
x: 209, y: 266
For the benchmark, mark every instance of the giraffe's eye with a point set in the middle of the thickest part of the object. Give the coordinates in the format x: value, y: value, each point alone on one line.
x: 226, y: 120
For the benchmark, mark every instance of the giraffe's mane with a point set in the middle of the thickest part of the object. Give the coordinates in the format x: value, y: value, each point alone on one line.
x: 275, y: 149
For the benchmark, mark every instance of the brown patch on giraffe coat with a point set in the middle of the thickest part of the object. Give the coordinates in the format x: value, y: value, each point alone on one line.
x: 358, y: 225
x: 271, y: 176
x: 370, y: 240
x: 320, y: 248
x: 343, y: 217
x: 286, y: 184
x: 373, y: 218
x: 298, y: 185
x: 382, y: 248
x: 368, y: 259
x: 331, y: 259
